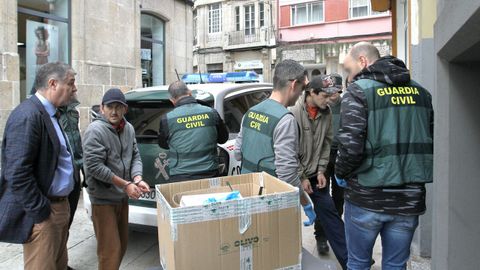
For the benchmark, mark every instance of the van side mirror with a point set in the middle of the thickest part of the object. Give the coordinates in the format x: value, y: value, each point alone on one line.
x: 95, y: 111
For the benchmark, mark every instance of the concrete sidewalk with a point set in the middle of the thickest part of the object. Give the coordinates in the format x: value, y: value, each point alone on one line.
x: 142, y: 250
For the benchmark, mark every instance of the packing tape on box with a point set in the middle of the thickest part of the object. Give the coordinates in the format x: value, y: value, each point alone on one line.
x: 166, y: 214
x: 246, y: 257
x: 291, y: 267
x: 215, y: 182
x: 245, y: 220
x: 234, y: 208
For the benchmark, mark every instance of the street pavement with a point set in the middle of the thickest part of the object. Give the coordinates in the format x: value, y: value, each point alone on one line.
x: 142, y: 252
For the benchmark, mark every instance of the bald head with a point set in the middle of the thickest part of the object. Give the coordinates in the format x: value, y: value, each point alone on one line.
x: 362, y: 55
x: 365, y: 49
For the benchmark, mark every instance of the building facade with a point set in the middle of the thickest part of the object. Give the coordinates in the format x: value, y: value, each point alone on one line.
x: 320, y: 33
x: 439, y: 41
x: 110, y: 43
x: 234, y: 36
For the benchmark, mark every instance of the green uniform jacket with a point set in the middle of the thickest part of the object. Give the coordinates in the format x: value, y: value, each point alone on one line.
x: 258, y: 125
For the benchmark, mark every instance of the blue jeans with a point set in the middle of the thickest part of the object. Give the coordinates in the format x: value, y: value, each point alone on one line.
x: 362, y: 228
x: 331, y: 222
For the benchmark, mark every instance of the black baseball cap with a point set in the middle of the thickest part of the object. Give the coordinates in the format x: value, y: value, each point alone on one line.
x: 114, y: 95
x: 332, y: 83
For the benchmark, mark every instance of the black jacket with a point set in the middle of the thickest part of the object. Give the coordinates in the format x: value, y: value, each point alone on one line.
x: 403, y: 200
x: 30, y: 150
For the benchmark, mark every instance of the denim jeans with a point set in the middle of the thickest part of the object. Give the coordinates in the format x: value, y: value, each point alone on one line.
x: 330, y: 221
x: 362, y: 228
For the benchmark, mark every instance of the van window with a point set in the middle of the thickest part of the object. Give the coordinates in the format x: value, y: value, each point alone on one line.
x: 235, y: 107
x: 145, y: 117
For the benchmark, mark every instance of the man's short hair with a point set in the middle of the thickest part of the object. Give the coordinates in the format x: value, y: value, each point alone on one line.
x: 54, y: 70
x: 285, y: 71
x: 365, y: 49
x: 178, y: 89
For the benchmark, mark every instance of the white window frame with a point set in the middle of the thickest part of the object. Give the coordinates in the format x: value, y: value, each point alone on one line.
x: 250, y: 10
x: 214, y: 18
x: 238, y: 18
x: 195, y: 27
x: 261, y: 14
x: 309, y: 7
x: 370, y: 13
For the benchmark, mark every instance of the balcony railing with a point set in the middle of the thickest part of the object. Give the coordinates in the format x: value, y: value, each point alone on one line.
x: 245, y: 36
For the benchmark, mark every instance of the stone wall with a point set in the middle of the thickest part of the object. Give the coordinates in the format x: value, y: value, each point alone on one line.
x: 106, y: 45
x: 9, y: 61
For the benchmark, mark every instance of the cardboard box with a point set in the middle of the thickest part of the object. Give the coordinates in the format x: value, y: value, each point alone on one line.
x: 255, y: 232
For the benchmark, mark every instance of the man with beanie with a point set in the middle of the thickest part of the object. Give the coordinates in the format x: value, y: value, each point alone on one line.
x: 334, y: 103
x: 113, y: 170
x: 315, y: 121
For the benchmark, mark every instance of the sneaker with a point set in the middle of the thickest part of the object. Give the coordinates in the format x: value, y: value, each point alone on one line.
x: 322, y: 247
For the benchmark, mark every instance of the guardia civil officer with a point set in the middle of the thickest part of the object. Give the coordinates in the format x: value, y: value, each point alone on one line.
x: 269, y: 137
x: 385, y: 155
x: 191, y: 132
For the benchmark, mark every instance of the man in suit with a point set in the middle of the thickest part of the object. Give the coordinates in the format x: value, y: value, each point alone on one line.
x: 37, y: 172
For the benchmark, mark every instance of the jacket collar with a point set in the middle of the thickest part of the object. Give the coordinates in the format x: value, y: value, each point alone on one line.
x: 303, y: 106
x: 48, y: 123
x: 186, y: 100
x: 51, y: 110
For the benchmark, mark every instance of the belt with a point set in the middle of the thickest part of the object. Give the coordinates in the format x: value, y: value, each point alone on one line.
x: 56, y: 199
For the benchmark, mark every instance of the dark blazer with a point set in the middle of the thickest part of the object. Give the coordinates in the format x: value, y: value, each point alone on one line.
x: 30, y: 150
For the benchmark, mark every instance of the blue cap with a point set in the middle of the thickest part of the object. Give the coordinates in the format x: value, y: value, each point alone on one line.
x: 114, y: 95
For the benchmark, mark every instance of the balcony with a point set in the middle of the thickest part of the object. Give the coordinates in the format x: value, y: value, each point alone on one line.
x: 256, y: 37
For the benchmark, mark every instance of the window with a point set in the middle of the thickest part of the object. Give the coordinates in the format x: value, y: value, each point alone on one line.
x: 214, y: 18
x: 145, y: 117
x: 195, y: 27
x: 43, y: 37
x: 261, y: 10
x: 249, y: 20
x: 152, y: 50
x: 362, y: 8
x: 215, y: 68
x: 235, y: 107
x: 307, y: 13
x: 237, y: 18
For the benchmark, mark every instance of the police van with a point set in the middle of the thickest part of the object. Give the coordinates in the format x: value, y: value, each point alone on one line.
x: 146, y: 106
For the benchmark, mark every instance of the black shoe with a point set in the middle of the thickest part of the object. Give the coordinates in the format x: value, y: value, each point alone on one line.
x: 372, y: 262
x: 322, y: 247
x: 70, y: 268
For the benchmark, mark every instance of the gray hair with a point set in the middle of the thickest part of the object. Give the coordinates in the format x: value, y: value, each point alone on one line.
x: 178, y: 89
x: 55, y: 70
x: 288, y: 70
x: 365, y: 49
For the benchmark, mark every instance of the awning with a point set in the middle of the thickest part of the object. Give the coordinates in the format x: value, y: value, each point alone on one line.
x: 381, y: 5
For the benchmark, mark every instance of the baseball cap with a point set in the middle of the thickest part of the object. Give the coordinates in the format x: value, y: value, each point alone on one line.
x: 114, y: 95
x: 332, y: 83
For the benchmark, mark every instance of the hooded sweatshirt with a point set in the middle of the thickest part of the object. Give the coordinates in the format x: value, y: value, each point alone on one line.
x: 315, y: 138
x: 403, y: 200
x: 108, y: 152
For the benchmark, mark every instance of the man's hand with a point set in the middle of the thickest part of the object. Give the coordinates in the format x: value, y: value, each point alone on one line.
x: 322, y: 181
x: 133, y: 191
x: 307, y: 186
x: 144, y: 187
x: 138, y: 181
